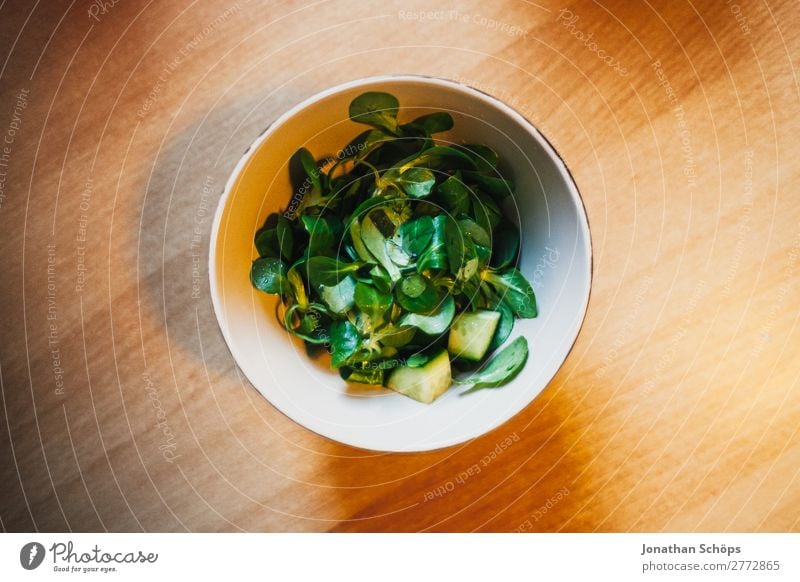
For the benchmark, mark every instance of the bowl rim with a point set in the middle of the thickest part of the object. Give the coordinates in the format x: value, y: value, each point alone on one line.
x: 561, y: 165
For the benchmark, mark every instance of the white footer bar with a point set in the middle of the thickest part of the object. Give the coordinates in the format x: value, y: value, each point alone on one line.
x: 401, y: 557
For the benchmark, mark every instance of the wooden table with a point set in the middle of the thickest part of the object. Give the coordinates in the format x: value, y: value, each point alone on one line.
x: 677, y: 409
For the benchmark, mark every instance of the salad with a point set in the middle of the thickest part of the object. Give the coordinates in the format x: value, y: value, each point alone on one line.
x: 395, y: 257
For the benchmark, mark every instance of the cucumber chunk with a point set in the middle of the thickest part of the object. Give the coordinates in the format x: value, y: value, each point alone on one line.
x: 471, y: 334
x: 425, y: 383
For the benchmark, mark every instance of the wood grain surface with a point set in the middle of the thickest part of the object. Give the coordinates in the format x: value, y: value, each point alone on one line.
x: 678, y: 407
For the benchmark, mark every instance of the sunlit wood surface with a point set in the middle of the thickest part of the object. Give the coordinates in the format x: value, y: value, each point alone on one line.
x: 678, y: 408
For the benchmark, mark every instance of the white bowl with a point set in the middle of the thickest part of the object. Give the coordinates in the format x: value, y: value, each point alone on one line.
x: 556, y: 257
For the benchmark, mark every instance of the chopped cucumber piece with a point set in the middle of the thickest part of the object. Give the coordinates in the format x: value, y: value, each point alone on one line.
x: 471, y: 334
x: 425, y: 383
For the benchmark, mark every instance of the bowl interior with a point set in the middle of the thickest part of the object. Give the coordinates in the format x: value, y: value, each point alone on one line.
x: 555, y: 257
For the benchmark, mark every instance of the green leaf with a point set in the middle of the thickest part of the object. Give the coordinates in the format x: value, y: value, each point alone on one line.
x: 414, y: 286
x: 415, y: 235
x: 435, y: 156
x: 307, y: 325
x: 358, y: 243
x: 285, y: 238
x: 364, y: 144
x: 504, y: 326
x: 454, y: 240
x: 417, y: 360
x: 344, y: 341
x: 372, y: 375
x: 417, y: 182
x: 435, y: 256
x: 307, y: 322
x: 455, y: 195
x: 328, y: 271
x: 381, y: 279
x: 501, y: 369
x: 435, y: 122
x: 266, y: 239
x: 267, y: 243
x: 376, y: 109
x: 498, y: 187
x: 362, y: 209
x: 397, y: 253
x: 375, y: 242
x: 434, y: 324
x: 297, y: 284
x: 474, y: 232
x: 310, y: 168
x: 373, y: 139
x: 324, y: 234
x: 341, y: 296
x: 462, y: 256
x: 484, y: 253
x: 467, y: 273
x: 417, y: 294
x: 371, y: 301
x: 485, y: 158
x: 515, y: 290
x: 269, y: 275
x: 505, y: 246
x: 486, y: 212
x: 394, y: 336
